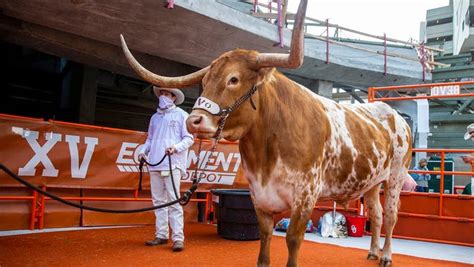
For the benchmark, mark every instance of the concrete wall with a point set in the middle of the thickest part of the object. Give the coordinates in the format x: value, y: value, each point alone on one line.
x: 461, y: 29
x: 439, y: 30
x: 439, y: 13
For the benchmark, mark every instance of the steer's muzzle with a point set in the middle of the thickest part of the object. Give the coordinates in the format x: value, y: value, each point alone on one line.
x: 201, y: 125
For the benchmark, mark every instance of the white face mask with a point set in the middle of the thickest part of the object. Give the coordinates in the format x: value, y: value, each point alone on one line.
x: 165, y: 102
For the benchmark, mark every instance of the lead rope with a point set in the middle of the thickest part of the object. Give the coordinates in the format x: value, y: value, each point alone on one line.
x: 197, y: 178
x: 80, y: 206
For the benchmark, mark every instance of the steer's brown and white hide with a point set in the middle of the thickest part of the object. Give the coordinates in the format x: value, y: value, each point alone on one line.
x: 299, y: 147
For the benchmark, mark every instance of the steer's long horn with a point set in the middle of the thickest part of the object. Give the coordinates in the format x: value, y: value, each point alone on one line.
x: 295, y: 58
x: 162, y: 81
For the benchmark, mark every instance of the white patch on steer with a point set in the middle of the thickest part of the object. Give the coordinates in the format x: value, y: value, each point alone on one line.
x: 340, y: 136
x: 283, y: 190
x: 273, y: 197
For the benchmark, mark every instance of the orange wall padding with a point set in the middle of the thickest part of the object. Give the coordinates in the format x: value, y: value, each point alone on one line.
x: 421, y: 204
x: 59, y: 215
x: 460, y: 206
x: 92, y: 218
x: 15, y: 214
x: 437, y: 229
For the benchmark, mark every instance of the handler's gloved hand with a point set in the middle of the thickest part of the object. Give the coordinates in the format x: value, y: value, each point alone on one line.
x: 170, y: 150
x: 142, y: 156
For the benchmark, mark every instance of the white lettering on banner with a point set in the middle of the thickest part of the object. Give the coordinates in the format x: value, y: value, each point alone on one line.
x: 124, y: 151
x: 127, y: 161
x: 41, y: 153
x: 208, y: 177
x: 445, y: 90
x: 214, y: 161
x: 76, y: 170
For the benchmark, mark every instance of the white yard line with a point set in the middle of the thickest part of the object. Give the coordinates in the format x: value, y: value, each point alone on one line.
x: 52, y: 230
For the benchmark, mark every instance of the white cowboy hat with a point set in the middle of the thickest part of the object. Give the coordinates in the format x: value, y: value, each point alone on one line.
x: 470, y: 130
x: 175, y: 91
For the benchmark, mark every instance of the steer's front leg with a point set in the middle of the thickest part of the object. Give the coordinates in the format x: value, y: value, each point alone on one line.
x: 265, y: 226
x: 300, y: 215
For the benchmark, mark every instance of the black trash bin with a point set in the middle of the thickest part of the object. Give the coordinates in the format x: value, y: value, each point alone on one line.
x: 235, y: 214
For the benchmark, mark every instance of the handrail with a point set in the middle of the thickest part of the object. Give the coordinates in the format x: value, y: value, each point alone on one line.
x: 38, y: 203
x: 9, y: 116
x: 368, y: 50
x: 398, y: 87
x: 325, y: 23
x: 425, y: 54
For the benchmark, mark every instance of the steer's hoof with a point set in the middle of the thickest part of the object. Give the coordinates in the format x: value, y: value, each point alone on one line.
x: 372, y: 256
x: 263, y: 264
x: 384, y: 262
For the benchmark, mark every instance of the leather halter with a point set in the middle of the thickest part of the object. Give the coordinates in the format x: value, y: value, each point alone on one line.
x: 214, y: 108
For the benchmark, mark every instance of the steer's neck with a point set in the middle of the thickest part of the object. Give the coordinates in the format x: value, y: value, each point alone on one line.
x: 291, y: 124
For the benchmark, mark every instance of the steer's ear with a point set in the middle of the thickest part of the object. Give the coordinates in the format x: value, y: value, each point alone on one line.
x: 265, y: 75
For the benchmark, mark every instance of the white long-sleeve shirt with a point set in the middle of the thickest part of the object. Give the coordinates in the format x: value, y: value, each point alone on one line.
x: 166, y: 129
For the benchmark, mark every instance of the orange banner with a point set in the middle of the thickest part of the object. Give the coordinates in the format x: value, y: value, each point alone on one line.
x: 58, y: 154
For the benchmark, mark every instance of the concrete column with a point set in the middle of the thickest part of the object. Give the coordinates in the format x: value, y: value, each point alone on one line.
x: 422, y: 126
x: 320, y: 87
x: 88, y: 95
x: 323, y: 88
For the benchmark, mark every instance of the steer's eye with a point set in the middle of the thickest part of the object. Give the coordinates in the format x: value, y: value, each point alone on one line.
x: 233, y: 81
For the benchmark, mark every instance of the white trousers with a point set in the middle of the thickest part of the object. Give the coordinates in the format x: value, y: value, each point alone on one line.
x: 162, y: 192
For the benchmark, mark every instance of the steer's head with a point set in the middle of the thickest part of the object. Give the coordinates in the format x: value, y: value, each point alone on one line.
x: 228, y: 78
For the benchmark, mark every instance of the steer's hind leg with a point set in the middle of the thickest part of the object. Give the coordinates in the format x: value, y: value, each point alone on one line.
x: 392, y: 201
x: 374, y: 207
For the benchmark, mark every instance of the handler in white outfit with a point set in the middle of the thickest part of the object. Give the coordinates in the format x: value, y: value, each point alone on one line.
x: 167, y: 133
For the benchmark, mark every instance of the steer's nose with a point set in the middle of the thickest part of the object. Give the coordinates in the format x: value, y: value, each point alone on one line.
x: 193, y: 122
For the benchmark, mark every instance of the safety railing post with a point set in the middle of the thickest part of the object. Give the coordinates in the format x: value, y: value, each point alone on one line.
x: 41, y: 210
x: 384, y: 54
x: 280, y: 23
x: 33, y: 210
x: 327, y: 41
x: 206, y: 209
x: 358, y: 206
x: 441, y: 183
x: 135, y: 193
x: 422, y: 60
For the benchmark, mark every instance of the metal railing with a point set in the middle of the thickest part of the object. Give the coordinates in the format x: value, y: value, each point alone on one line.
x: 425, y: 54
x: 422, y: 91
x: 38, y: 203
x: 432, y: 91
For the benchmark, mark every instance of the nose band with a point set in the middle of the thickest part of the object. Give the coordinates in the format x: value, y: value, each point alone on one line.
x: 207, y: 105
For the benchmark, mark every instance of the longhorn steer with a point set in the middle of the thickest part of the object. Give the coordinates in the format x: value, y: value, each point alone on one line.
x: 298, y: 147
